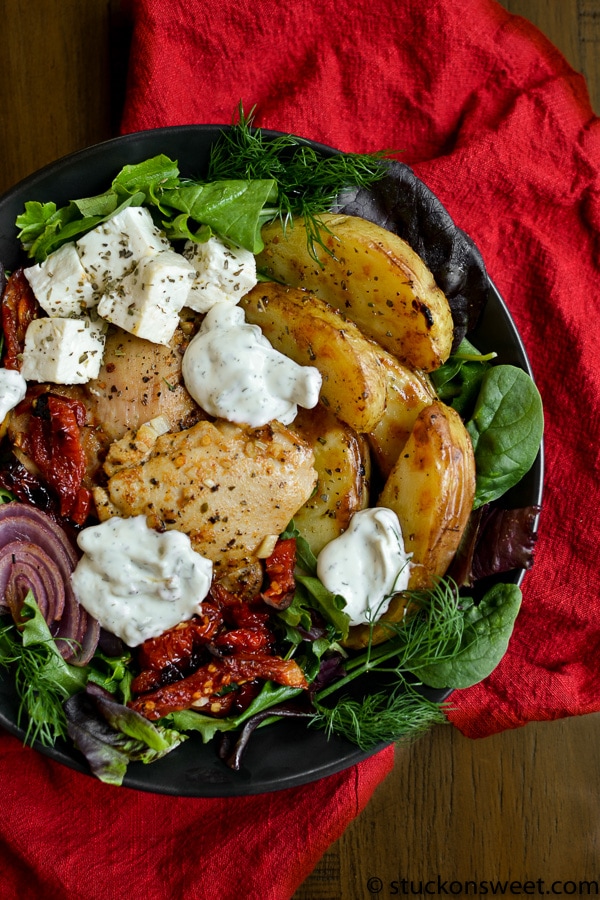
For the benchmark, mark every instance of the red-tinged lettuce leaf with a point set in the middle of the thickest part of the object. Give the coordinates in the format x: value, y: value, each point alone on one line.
x: 495, y: 541
x: 111, y: 735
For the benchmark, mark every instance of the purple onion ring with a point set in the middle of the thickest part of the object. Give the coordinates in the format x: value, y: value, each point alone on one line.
x: 37, y: 555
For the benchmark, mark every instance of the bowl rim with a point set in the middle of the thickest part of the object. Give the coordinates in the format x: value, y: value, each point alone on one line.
x: 205, y: 777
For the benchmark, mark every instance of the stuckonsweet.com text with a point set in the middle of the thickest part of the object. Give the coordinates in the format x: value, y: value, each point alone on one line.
x: 437, y: 886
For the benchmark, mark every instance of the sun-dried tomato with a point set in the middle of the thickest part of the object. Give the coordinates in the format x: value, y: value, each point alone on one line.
x: 54, y: 445
x: 239, y: 612
x: 279, y: 568
x: 211, y: 679
x: 25, y: 486
x: 171, y: 656
x: 256, y: 639
x: 19, y: 309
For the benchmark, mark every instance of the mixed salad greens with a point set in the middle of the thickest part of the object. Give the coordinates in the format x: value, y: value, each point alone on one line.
x: 456, y: 632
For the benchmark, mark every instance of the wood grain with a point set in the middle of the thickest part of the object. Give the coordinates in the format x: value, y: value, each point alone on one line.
x: 516, y: 806
x: 574, y: 27
x: 59, y: 80
x: 520, y: 805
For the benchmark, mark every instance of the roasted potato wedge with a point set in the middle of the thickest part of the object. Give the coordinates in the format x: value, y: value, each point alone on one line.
x: 313, y: 334
x: 431, y: 489
x: 407, y: 393
x: 342, y: 461
x: 371, y: 275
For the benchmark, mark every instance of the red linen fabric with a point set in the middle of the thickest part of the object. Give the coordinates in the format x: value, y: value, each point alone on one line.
x: 500, y: 127
x: 66, y: 836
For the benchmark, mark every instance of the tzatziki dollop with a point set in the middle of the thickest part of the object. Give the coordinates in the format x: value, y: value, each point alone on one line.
x: 13, y: 388
x: 233, y: 372
x: 136, y: 581
x: 366, y: 564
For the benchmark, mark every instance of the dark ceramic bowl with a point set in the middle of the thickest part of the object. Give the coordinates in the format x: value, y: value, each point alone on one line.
x: 285, y: 754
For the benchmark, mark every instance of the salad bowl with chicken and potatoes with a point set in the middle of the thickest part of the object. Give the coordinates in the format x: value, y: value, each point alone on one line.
x: 271, y: 460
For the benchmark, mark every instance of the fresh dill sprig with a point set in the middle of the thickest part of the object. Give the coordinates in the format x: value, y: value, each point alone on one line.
x: 432, y: 632
x: 401, y: 714
x: 40, y: 694
x: 308, y: 182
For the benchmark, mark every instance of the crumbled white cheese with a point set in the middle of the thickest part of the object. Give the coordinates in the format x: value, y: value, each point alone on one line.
x: 114, y: 248
x: 61, y: 285
x: 147, y: 302
x: 223, y: 272
x: 64, y: 351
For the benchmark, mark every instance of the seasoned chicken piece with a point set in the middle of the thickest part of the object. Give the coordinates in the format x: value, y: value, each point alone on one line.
x: 228, y: 486
x: 138, y: 381
x: 135, y: 446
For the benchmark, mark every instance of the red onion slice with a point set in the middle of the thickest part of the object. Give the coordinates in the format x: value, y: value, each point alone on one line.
x: 26, y: 567
x: 36, y: 554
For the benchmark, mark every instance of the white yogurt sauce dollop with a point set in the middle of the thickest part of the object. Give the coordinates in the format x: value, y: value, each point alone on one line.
x: 13, y: 388
x: 137, y: 582
x: 366, y: 564
x: 233, y: 372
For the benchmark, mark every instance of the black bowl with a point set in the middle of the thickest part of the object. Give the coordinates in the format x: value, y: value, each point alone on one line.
x: 286, y: 754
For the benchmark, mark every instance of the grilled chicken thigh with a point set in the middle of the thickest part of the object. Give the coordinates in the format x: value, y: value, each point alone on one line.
x: 139, y: 381
x: 229, y: 487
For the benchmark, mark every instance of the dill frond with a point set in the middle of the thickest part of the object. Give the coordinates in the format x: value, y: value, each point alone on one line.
x: 401, y: 714
x: 308, y: 182
x: 39, y: 693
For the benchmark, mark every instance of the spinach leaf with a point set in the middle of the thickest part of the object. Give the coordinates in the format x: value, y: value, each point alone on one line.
x: 488, y: 626
x: 506, y: 430
x: 234, y: 209
x: 458, y: 381
x: 152, y: 177
x: 331, y: 606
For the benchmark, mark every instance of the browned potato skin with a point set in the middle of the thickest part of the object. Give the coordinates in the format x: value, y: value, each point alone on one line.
x: 342, y: 461
x: 311, y: 333
x: 431, y: 489
x: 371, y: 275
x: 407, y: 393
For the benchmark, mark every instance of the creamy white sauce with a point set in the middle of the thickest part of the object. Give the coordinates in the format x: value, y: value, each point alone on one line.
x: 232, y: 372
x: 366, y: 564
x: 136, y: 581
x: 13, y: 388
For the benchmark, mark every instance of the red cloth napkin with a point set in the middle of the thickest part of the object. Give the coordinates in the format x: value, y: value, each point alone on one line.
x: 500, y: 127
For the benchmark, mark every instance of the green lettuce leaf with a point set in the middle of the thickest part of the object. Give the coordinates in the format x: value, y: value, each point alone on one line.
x: 234, y: 209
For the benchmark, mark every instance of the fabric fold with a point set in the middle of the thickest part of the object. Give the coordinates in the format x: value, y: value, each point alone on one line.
x: 499, y: 126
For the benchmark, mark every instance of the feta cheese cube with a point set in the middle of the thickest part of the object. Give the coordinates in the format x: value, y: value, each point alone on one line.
x: 61, y: 285
x: 147, y: 302
x: 113, y: 249
x: 223, y: 272
x: 64, y: 351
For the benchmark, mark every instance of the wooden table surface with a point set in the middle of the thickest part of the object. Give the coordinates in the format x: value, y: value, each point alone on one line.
x: 519, y: 806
